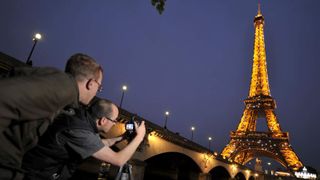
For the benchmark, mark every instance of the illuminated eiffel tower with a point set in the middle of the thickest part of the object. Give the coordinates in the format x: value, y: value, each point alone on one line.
x: 246, y: 143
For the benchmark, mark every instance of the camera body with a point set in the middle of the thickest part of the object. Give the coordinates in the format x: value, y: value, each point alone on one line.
x: 130, y: 129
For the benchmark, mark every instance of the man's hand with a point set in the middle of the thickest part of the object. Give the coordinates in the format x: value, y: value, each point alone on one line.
x: 140, y: 130
x: 121, y: 157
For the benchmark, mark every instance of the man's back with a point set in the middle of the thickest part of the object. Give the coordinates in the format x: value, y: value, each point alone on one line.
x: 29, y: 100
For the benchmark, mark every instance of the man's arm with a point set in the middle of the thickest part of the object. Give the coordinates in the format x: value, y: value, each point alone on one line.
x: 121, y: 157
x: 111, y: 141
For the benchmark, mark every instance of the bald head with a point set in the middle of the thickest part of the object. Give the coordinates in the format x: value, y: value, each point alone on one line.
x: 104, y: 108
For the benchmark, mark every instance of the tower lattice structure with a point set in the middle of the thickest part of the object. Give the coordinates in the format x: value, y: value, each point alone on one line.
x: 246, y: 142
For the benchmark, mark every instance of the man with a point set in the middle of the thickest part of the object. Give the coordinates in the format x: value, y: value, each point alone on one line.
x: 31, y: 97
x: 74, y: 137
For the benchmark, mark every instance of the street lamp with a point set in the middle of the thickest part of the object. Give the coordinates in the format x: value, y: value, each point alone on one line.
x: 35, y: 39
x: 269, y: 167
x: 192, y: 129
x: 166, y: 114
x: 124, y: 88
x: 209, y: 138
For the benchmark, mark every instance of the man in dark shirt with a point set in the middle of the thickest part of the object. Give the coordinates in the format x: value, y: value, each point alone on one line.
x: 31, y: 97
x: 75, y: 136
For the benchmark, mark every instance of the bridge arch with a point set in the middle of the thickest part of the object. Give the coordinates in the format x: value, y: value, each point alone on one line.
x: 157, y: 146
x: 240, y: 176
x: 171, y: 165
x: 219, y: 172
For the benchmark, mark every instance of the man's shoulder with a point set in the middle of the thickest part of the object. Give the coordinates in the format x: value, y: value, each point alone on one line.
x: 27, y: 71
x: 83, y: 142
x: 80, y: 137
x: 74, y: 118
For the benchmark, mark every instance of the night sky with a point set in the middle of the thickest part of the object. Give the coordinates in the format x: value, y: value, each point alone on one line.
x: 194, y: 60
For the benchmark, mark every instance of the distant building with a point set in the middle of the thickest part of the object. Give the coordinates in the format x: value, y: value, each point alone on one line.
x: 305, y: 173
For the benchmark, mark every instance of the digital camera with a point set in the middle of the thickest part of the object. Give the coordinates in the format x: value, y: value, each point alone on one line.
x: 130, y: 129
x: 130, y: 125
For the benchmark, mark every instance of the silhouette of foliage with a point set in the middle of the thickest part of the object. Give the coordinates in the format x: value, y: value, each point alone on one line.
x: 159, y: 5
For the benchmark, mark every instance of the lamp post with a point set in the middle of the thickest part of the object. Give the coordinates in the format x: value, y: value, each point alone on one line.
x: 124, y: 88
x: 166, y: 114
x: 269, y: 167
x: 209, y: 138
x: 192, y: 129
x: 35, y: 39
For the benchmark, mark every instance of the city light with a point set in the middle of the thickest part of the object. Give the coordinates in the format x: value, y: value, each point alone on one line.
x: 37, y: 36
x: 248, y: 171
x: 124, y: 89
x: 35, y: 39
x: 192, y: 129
x: 304, y: 174
x: 209, y: 138
x: 166, y: 114
x: 234, y: 167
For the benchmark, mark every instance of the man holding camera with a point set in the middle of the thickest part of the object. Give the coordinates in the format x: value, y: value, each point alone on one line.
x: 73, y: 137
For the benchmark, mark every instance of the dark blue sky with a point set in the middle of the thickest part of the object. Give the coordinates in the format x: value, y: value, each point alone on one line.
x: 194, y: 60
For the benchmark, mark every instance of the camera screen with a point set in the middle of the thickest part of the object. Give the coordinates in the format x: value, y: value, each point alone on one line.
x: 129, y: 126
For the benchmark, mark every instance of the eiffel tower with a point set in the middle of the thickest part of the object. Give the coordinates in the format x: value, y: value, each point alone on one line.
x: 246, y: 143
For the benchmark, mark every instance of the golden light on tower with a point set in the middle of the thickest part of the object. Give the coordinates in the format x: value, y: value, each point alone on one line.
x: 260, y: 104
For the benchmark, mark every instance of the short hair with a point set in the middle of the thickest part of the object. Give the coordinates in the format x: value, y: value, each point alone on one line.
x: 101, y: 108
x: 82, y: 66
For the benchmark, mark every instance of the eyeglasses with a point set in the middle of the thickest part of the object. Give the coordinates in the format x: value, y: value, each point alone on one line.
x: 114, y: 121
x: 99, y: 85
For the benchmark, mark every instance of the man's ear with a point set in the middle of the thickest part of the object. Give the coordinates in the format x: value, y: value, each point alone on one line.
x: 102, y: 121
x: 88, y: 84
